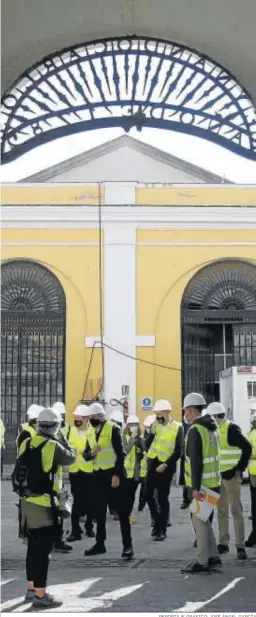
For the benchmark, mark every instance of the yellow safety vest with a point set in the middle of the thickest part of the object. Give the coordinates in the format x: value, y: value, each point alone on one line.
x: 211, y: 458
x: 252, y: 462
x: 144, y: 465
x: 163, y: 444
x: 130, y: 461
x: 106, y: 458
x: 229, y: 455
x: 2, y: 433
x: 29, y: 429
x: 78, y: 442
x: 47, y: 457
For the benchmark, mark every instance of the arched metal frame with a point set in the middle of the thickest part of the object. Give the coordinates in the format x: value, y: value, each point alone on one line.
x: 33, y: 327
x: 223, y: 292
x: 127, y: 82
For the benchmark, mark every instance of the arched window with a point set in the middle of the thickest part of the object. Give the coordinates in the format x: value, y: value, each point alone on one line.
x: 218, y: 316
x: 131, y: 82
x: 32, y: 340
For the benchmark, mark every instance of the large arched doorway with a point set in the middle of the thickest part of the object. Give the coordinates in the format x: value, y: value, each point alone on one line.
x: 218, y: 317
x: 32, y: 341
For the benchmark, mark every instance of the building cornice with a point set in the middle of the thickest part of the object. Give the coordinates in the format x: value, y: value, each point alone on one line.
x: 86, y: 217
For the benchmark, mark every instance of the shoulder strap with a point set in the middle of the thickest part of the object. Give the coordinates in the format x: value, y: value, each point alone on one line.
x: 68, y: 433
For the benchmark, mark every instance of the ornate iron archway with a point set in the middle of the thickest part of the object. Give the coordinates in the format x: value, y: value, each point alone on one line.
x: 32, y: 340
x: 222, y: 293
x: 132, y: 82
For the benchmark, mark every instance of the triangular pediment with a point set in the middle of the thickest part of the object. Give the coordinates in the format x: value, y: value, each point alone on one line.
x: 126, y: 159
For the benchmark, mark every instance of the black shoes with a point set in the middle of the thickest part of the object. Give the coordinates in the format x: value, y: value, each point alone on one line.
x: 90, y: 533
x: 241, y: 554
x: 184, y: 505
x: 62, y: 547
x: 223, y: 548
x: 97, y: 549
x: 74, y: 537
x: 214, y: 561
x: 127, y: 554
x: 194, y: 567
x: 159, y: 537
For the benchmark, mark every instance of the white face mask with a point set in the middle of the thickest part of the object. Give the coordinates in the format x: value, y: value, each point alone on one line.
x: 134, y: 430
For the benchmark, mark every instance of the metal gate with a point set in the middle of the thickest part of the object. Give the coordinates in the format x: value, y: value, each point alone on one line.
x: 32, y: 343
x: 198, y: 373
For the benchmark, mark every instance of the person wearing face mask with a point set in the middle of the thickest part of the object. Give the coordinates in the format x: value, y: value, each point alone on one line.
x: 252, y: 476
x: 38, y: 507
x: 105, y: 449
x: 164, y: 445
x: 80, y: 476
x: 29, y: 429
x: 235, y: 452
x: 134, y: 448
x: 64, y: 427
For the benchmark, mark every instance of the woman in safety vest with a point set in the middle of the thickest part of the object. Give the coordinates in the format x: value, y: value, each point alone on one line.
x: 38, y: 511
x: 80, y: 476
x: 252, y: 475
x: 134, y: 448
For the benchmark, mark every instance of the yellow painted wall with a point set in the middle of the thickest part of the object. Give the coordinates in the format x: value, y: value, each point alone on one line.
x: 162, y: 275
x: 77, y: 269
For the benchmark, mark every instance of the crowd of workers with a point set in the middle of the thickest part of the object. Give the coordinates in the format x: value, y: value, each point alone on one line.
x: 109, y: 462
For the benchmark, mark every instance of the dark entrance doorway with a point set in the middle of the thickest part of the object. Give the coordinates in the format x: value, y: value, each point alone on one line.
x: 218, y: 318
x: 32, y: 342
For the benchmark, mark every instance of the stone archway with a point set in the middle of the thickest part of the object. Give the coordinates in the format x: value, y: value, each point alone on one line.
x: 218, y: 317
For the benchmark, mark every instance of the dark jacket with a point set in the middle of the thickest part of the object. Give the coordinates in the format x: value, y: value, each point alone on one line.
x: 194, y: 449
x: 182, y: 460
x: 172, y: 460
x: 117, y: 444
x: 237, y: 439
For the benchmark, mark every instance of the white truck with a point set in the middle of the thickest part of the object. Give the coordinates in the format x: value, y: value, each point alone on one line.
x: 237, y: 393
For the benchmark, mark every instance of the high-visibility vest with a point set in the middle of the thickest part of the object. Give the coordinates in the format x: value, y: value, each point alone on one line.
x: 106, y: 458
x: 29, y: 429
x: 78, y: 441
x: 2, y: 433
x: 144, y: 465
x: 65, y: 430
x: 211, y: 458
x: 229, y: 455
x: 252, y: 462
x: 163, y: 444
x: 47, y: 457
x: 130, y: 461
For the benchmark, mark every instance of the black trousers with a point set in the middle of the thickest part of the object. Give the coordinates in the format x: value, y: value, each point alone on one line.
x: 40, y: 545
x: 142, y: 496
x: 157, y: 491
x: 252, y: 536
x: 82, y: 490
x: 131, y: 486
x: 186, y: 498
x: 104, y: 494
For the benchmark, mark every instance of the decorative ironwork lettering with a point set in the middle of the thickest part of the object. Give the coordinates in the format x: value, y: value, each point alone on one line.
x: 127, y: 82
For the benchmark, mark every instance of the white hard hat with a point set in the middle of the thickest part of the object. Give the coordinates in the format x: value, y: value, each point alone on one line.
x: 149, y: 421
x: 214, y: 409
x: 34, y: 411
x: 117, y: 416
x: 60, y: 407
x: 162, y: 405
x: 81, y: 410
x: 253, y: 416
x: 49, y: 416
x: 132, y: 419
x: 96, y: 408
x: 193, y: 400
x: 253, y: 407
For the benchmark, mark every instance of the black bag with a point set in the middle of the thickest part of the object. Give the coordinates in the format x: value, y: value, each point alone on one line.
x: 28, y: 477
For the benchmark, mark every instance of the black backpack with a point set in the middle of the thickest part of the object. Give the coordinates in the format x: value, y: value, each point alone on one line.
x: 28, y: 477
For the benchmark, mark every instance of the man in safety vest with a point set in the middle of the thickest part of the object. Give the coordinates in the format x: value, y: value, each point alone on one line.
x: 29, y: 429
x: 80, y: 476
x: 64, y: 427
x: 105, y: 449
x: 252, y: 475
x: 235, y: 451
x: 38, y: 514
x: 202, y: 470
x: 2, y: 444
x: 135, y: 470
x: 164, y: 445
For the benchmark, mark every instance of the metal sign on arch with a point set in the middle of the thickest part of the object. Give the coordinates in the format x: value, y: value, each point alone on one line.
x: 131, y: 82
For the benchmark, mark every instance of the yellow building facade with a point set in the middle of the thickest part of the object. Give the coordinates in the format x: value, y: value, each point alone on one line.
x: 150, y: 243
